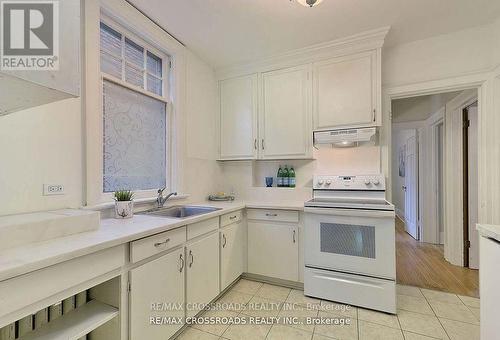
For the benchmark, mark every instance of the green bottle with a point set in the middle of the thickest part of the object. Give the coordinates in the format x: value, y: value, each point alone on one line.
x: 286, y: 177
x: 291, y: 178
x: 279, y: 177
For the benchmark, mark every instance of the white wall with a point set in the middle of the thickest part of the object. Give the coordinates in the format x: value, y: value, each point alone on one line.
x: 41, y: 145
x: 444, y: 56
x: 201, y: 173
x: 246, y: 179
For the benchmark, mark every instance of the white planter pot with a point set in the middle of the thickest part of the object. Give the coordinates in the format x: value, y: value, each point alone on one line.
x: 124, y: 209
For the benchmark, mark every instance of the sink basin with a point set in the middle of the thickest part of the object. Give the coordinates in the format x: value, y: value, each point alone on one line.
x: 181, y: 211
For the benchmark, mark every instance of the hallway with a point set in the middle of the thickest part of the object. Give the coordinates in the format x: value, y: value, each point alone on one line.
x: 423, y: 265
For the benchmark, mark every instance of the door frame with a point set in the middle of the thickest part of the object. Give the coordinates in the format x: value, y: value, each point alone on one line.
x: 480, y: 82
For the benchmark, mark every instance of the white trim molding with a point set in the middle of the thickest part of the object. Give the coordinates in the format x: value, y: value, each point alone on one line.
x: 132, y: 20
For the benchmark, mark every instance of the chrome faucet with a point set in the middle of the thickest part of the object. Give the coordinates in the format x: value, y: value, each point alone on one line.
x: 161, y: 200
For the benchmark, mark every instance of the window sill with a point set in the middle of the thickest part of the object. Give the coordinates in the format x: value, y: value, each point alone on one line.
x: 137, y: 202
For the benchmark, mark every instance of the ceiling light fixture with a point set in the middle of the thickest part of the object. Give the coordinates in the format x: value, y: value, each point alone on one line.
x: 309, y: 3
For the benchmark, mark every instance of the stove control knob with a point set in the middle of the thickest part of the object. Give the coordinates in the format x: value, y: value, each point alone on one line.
x: 328, y: 182
x: 376, y: 182
x: 320, y: 182
x: 367, y: 182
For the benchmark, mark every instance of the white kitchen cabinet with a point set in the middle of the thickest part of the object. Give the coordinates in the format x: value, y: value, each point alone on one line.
x: 346, y: 91
x: 24, y: 89
x: 238, y: 118
x: 232, y: 257
x: 489, y: 280
x: 202, y: 275
x: 159, y: 281
x: 273, y: 250
x: 285, y: 114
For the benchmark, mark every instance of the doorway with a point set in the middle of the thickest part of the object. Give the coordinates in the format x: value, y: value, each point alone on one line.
x: 421, y: 133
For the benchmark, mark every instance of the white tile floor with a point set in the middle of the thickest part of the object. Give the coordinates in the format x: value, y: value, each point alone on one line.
x: 422, y: 314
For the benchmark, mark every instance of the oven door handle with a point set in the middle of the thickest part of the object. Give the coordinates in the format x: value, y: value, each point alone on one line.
x: 350, y: 212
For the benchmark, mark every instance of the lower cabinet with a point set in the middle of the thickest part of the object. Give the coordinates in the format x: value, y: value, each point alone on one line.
x: 202, y: 261
x: 232, y: 256
x: 273, y: 250
x: 161, y: 283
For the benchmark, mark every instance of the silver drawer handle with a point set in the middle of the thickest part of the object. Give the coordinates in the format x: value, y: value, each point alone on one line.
x: 192, y: 258
x: 181, y: 260
x: 233, y: 217
x: 159, y: 244
x: 271, y: 215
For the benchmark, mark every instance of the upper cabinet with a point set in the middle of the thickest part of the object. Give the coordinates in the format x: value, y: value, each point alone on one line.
x: 238, y: 117
x: 285, y: 115
x: 345, y: 91
x: 334, y: 85
x: 22, y: 89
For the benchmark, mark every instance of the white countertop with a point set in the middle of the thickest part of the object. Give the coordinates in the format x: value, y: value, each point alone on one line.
x: 488, y: 230
x: 112, y: 232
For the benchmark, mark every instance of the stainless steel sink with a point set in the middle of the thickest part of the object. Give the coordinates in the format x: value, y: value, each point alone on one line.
x: 181, y: 211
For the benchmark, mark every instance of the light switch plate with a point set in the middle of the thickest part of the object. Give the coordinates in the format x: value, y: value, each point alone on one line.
x: 53, y: 189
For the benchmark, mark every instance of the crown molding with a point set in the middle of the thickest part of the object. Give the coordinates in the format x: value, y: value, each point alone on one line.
x: 363, y: 41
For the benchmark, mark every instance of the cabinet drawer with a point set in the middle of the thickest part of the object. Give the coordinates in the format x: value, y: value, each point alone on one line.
x: 273, y: 215
x: 227, y: 219
x: 149, y: 246
x: 203, y: 227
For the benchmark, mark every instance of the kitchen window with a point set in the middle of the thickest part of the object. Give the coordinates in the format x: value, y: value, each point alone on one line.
x: 135, y: 112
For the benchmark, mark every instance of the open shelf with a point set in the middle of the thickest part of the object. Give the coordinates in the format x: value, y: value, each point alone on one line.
x: 76, y: 324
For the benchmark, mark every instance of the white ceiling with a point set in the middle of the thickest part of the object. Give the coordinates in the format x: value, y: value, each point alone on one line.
x: 228, y: 32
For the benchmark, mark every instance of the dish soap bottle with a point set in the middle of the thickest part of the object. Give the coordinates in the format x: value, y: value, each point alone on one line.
x: 291, y: 178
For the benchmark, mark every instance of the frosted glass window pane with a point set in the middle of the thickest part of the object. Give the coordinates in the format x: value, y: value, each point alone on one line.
x: 154, y: 85
x: 134, y: 76
x: 111, y: 65
x: 134, y: 53
x: 111, y: 40
x: 134, y: 140
x: 154, y: 65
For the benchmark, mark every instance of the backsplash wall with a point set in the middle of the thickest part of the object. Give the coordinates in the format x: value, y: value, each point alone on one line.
x: 247, y: 178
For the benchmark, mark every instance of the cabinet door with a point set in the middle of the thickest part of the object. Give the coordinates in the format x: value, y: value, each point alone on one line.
x: 232, y: 249
x: 345, y: 91
x: 273, y: 250
x: 157, y: 282
x: 285, y: 120
x: 238, y: 118
x: 202, y: 259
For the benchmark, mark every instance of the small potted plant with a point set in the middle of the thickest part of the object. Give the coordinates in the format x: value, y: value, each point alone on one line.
x: 124, y: 204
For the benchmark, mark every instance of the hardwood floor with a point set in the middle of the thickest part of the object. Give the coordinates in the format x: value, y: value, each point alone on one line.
x: 423, y: 265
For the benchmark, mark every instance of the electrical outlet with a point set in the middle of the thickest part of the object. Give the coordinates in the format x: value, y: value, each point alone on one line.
x: 53, y: 189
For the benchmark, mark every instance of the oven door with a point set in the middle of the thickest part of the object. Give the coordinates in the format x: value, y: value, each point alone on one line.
x: 351, y: 241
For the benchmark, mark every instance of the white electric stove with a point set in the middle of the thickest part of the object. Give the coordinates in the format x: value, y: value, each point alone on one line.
x: 350, y: 242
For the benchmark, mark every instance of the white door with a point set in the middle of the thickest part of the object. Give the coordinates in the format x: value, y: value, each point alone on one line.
x: 158, y: 281
x: 232, y: 253
x: 285, y: 120
x: 238, y: 118
x: 411, y: 186
x: 473, y: 188
x: 202, y: 281
x: 273, y: 250
x: 345, y: 91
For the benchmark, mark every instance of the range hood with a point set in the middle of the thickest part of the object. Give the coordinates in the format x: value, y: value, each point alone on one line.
x: 344, y: 137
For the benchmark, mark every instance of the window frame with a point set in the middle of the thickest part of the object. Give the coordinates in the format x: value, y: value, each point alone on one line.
x: 166, y: 98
